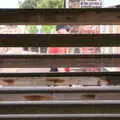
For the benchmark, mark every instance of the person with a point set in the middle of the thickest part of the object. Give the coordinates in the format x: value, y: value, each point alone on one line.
x: 60, y: 29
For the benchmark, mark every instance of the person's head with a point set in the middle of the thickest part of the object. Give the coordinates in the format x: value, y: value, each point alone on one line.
x: 63, y: 29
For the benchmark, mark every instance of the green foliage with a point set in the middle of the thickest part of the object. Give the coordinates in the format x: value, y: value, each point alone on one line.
x: 41, y: 4
x: 31, y: 29
x: 49, y: 29
x: 50, y: 3
x: 28, y: 4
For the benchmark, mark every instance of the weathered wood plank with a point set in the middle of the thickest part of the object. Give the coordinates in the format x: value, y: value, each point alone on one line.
x: 61, y: 74
x: 60, y: 116
x: 60, y: 16
x: 67, y: 89
x: 60, y: 107
x: 58, y: 40
x: 46, y: 61
x: 57, y: 103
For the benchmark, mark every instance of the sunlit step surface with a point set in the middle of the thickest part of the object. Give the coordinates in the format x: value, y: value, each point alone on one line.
x: 60, y: 116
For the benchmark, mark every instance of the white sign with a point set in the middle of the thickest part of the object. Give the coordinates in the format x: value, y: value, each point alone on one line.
x: 91, y: 3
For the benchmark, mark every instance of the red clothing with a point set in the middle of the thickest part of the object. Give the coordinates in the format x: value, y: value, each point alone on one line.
x: 67, y: 69
x: 57, y: 50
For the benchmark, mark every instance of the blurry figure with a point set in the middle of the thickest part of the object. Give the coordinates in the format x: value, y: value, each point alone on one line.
x: 60, y: 29
x: 54, y: 69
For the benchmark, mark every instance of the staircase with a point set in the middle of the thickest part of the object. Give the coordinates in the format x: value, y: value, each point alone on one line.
x: 41, y: 102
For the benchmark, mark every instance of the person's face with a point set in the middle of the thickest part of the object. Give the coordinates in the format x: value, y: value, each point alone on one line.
x: 62, y: 31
